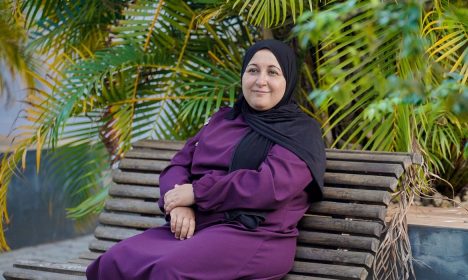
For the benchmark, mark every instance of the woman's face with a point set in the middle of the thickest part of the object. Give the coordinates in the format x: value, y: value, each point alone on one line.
x: 263, y: 83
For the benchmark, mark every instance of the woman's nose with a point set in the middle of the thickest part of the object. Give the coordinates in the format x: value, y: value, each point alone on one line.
x: 261, y: 80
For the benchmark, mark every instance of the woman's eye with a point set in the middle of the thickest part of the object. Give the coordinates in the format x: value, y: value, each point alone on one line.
x: 273, y: 73
x: 252, y: 70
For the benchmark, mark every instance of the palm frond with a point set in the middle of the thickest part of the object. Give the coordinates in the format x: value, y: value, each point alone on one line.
x: 267, y: 13
x: 14, y: 60
x: 447, y: 30
x: 70, y: 27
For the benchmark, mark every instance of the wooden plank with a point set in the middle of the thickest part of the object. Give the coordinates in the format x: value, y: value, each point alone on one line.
x: 322, y: 269
x: 115, y: 233
x: 84, y: 262
x: 354, y: 210
x: 65, y: 268
x: 150, y: 154
x: 143, y: 164
x: 322, y: 223
x: 416, y: 158
x: 338, y: 241
x: 17, y: 273
x: 388, y: 169
x: 178, y: 145
x: 369, y: 181
x: 89, y: 255
x: 160, y: 144
x: 148, y: 179
x: 127, y: 220
x: 124, y: 190
x: 349, y: 194
x: 133, y: 206
x: 100, y: 246
x: 373, y: 156
x: 380, y: 157
x: 335, y: 256
x: 305, y: 277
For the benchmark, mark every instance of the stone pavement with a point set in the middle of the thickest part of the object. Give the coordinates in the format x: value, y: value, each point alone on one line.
x: 56, y: 252
x: 456, y: 217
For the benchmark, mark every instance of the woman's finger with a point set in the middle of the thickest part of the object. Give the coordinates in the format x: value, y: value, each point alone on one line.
x: 191, y: 229
x: 173, y: 223
x: 178, y: 228
x: 185, y: 229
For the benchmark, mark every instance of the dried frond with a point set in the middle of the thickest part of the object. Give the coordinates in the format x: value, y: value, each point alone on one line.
x: 394, y: 259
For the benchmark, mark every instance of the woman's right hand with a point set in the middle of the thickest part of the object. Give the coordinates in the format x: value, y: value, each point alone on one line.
x: 182, y: 222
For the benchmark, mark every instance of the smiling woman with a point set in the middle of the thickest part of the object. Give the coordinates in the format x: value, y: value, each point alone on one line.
x: 234, y: 194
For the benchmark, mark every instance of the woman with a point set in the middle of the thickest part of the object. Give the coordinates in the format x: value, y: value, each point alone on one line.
x: 236, y: 191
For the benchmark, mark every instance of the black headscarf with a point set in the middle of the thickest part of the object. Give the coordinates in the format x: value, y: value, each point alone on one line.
x: 285, y: 124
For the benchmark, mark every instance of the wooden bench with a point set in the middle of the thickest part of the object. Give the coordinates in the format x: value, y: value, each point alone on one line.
x: 338, y: 239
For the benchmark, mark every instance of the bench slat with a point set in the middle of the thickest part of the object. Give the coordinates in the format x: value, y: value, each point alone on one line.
x: 84, y: 262
x: 370, y: 181
x: 89, y: 255
x: 365, y: 167
x: 67, y: 268
x: 349, y: 194
x: 334, y: 162
x: 160, y: 144
x: 309, y: 238
x: 337, y: 256
x: 126, y: 220
x: 100, y: 245
x: 132, y: 205
x: 150, y: 154
x: 330, y: 193
x: 115, y: 233
x: 16, y: 273
x: 321, y: 223
x: 156, y: 165
x: 338, y: 241
x: 404, y: 158
x: 320, y: 269
x: 382, y: 157
x: 304, y: 277
x: 149, y: 179
x: 134, y: 191
x: 345, y: 194
x: 143, y: 164
x: 349, y: 210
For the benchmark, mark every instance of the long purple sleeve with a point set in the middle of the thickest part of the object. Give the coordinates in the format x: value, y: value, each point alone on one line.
x: 279, y: 179
x: 178, y: 172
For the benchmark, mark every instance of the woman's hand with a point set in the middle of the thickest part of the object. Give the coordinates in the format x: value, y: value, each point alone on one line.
x: 180, y: 195
x: 182, y: 222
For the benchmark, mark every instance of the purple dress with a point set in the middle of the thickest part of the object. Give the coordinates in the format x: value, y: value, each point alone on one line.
x: 219, y: 250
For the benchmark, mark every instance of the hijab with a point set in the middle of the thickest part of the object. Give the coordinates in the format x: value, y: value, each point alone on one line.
x: 285, y: 124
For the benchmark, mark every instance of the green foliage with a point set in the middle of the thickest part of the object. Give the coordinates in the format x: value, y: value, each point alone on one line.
x: 378, y: 75
x: 387, y: 80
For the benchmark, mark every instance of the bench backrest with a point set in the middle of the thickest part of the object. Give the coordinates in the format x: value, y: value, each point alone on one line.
x: 339, y: 236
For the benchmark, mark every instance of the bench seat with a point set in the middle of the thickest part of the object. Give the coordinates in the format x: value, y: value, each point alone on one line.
x: 338, y: 237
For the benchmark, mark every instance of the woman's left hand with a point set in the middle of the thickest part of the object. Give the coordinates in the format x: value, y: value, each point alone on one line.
x: 180, y: 195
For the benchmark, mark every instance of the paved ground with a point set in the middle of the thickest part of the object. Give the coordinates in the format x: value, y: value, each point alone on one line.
x: 56, y: 251
x: 437, y: 217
